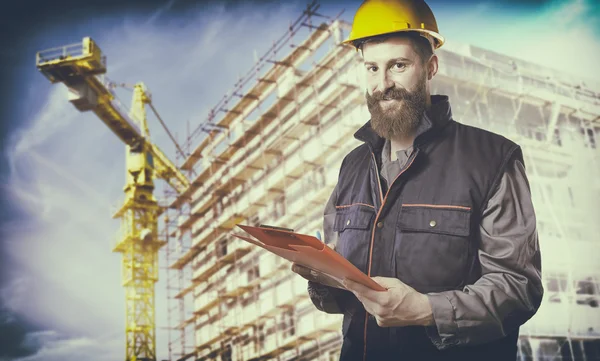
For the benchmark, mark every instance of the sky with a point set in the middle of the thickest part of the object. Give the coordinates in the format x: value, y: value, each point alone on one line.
x: 61, y: 171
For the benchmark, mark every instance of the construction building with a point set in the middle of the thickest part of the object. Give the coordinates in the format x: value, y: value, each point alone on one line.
x: 270, y: 151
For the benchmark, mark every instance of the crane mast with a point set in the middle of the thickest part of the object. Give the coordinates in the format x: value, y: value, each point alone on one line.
x: 78, y: 66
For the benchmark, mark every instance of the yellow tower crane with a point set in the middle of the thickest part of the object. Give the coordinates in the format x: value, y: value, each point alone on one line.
x: 78, y: 66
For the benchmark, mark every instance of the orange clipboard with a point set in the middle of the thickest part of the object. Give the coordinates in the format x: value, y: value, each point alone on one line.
x: 307, y: 251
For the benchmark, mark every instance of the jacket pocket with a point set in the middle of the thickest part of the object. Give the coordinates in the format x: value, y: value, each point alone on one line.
x: 353, y: 225
x: 432, y: 246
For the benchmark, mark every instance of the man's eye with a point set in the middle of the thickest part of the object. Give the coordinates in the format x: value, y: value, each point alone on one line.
x: 399, y: 66
x: 372, y: 68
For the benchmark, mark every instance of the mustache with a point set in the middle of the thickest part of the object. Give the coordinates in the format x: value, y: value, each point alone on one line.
x: 388, y: 94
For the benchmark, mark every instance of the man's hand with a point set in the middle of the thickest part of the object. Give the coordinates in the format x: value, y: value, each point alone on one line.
x: 316, y: 276
x: 400, y: 305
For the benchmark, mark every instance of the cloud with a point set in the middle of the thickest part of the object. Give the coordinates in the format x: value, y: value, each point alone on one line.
x: 563, y: 35
x: 13, y: 325
x: 55, y: 115
x: 12, y: 295
x: 575, y: 13
x: 160, y: 11
x: 52, y: 346
x: 566, y: 39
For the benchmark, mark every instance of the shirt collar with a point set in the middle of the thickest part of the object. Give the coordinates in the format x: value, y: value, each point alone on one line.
x: 386, y: 152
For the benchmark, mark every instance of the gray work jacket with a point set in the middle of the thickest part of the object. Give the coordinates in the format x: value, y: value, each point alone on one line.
x: 486, y: 241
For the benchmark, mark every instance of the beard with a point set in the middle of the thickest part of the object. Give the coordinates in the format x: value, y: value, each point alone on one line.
x: 401, y: 117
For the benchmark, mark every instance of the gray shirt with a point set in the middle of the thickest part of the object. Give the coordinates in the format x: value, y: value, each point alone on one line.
x: 509, y: 246
x: 390, y: 169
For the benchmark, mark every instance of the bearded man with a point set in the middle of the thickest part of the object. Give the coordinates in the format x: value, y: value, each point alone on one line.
x: 437, y: 212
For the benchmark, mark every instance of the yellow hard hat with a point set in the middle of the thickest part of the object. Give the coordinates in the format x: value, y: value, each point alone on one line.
x: 377, y: 17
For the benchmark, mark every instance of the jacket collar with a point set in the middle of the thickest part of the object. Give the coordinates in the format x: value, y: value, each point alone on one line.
x: 437, y: 116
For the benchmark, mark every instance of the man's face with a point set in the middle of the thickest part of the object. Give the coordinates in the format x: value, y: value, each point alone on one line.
x: 396, y: 87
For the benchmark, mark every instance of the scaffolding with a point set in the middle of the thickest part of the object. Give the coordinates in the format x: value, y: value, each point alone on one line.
x: 270, y: 152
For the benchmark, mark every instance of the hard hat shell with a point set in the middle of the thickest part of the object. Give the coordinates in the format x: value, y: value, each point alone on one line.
x: 378, y: 17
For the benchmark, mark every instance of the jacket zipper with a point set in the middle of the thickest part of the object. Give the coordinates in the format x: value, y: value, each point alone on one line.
x: 383, y: 199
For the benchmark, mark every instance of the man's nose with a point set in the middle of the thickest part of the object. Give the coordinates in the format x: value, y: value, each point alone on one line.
x: 383, y: 82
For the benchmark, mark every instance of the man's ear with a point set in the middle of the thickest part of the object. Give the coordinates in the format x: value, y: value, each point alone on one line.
x: 432, y: 66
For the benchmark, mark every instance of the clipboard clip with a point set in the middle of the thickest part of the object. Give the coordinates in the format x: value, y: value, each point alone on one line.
x: 276, y: 228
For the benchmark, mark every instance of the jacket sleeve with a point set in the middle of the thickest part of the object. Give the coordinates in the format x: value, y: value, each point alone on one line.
x: 325, y: 298
x: 510, y: 290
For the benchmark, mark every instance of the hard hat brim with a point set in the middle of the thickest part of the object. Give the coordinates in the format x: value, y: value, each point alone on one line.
x: 437, y: 38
